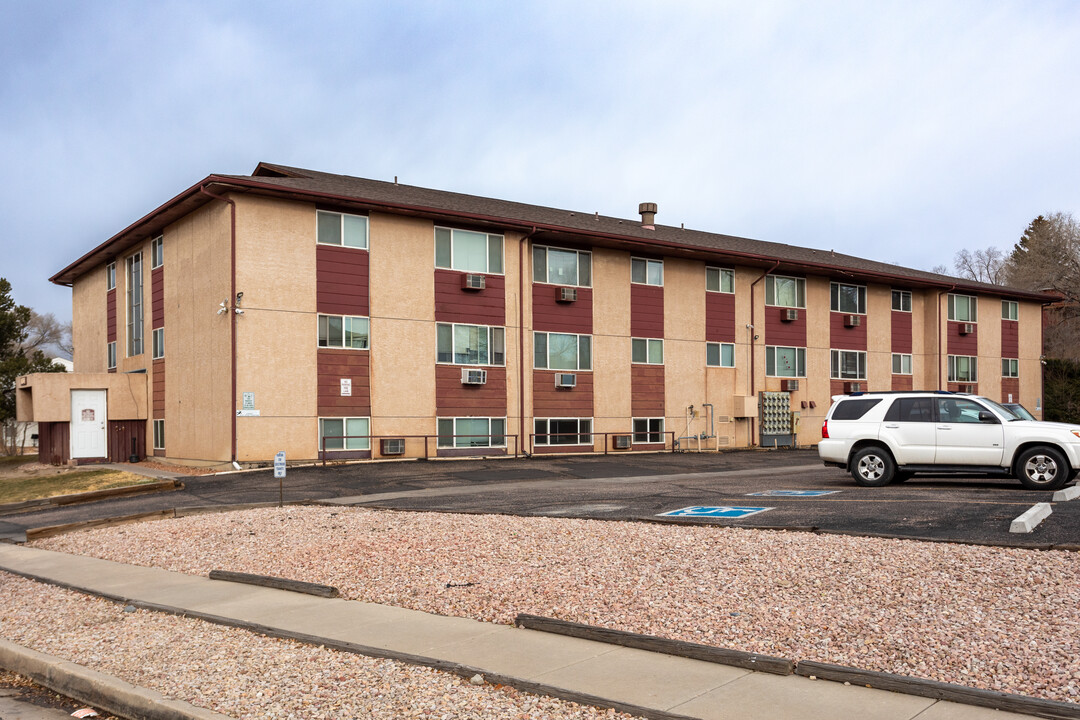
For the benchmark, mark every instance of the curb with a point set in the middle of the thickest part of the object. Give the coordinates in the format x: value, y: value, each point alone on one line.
x: 268, y: 581
x: 1069, y: 493
x: 1031, y: 518
x: 102, y: 691
x: 93, y: 495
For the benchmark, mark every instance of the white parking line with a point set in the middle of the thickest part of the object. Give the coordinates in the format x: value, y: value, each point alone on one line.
x: 1031, y: 518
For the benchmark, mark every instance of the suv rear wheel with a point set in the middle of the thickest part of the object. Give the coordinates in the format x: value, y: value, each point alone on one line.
x: 1042, y: 468
x: 872, y: 467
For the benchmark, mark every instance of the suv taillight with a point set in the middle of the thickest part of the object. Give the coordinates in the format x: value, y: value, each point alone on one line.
x: 825, y: 430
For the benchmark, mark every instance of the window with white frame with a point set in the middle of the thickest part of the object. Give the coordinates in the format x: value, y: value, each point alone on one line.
x: 470, y: 344
x: 648, y: 430
x: 341, y: 229
x: 562, y: 351
x: 559, y: 266
x: 110, y: 276
x: 781, y: 291
x: 963, y: 368
x: 562, y: 431
x: 720, y: 354
x: 159, y: 434
x: 1010, y: 368
x: 110, y: 355
x: 901, y: 300
x: 344, y: 331
x: 785, y: 361
x: 134, y: 305
x: 345, y: 433
x: 1010, y: 310
x: 646, y: 272
x: 963, y: 308
x: 648, y: 351
x: 468, y: 251
x: 157, y: 254
x: 848, y: 364
x: 901, y: 364
x: 471, y: 432
x: 158, y: 343
x: 849, y: 299
x: 719, y: 280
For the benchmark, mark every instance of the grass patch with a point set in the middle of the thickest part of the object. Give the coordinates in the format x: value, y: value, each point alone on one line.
x: 8, y: 462
x: 17, y: 489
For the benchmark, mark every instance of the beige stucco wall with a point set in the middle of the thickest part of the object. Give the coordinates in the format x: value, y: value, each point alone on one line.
x: 1031, y: 369
x: 611, y: 341
x: 934, y: 323
x: 89, y: 325
x: 684, y: 345
x: 989, y: 346
x: 46, y: 397
x: 878, y: 337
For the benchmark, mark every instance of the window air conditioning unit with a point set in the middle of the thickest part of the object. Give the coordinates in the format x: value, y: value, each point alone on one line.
x: 850, y: 387
x: 967, y: 328
x: 789, y: 314
x: 789, y: 385
x: 565, y: 294
x: 394, y: 446
x: 472, y: 376
x: 621, y: 442
x: 565, y: 380
x: 852, y: 321
x: 472, y: 282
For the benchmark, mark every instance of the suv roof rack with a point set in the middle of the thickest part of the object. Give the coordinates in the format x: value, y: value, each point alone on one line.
x: 905, y: 392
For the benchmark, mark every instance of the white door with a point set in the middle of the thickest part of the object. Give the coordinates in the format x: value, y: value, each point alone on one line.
x: 88, y: 424
x: 965, y: 439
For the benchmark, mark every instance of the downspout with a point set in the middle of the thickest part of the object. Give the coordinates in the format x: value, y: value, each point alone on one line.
x: 753, y: 426
x: 232, y: 301
x: 521, y: 336
x: 941, y: 346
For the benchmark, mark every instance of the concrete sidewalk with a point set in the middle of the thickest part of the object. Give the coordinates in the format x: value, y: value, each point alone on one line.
x: 636, y: 681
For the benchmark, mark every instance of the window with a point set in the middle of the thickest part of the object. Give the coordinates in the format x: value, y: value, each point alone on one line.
x: 157, y: 255
x: 468, y: 251
x: 343, y: 331
x: 720, y: 354
x: 110, y: 276
x: 471, y: 432
x: 110, y: 351
x: 901, y: 300
x: 159, y: 434
x: 1010, y: 368
x: 344, y: 433
x: 646, y: 272
x: 853, y: 409
x: 563, y: 431
x: 1010, y: 310
x: 562, y: 267
x: 848, y: 364
x: 719, y: 280
x: 561, y: 351
x: 785, y: 291
x: 134, y: 305
x: 648, y: 430
x: 158, y: 342
x: 911, y: 410
x: 959, y: 410
x: 785, y: 361
x: 901, y: 364
x: 962, y: 308
x: 963, y: 368
x: 848, y: 298
x: 648, y: 351
x: 341, y: 229
x: 471, y: 344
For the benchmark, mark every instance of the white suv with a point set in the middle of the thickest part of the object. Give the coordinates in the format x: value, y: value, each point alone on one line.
x: 884, y: 436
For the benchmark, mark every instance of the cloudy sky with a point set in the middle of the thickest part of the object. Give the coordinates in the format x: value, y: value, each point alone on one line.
x: 897, y: 131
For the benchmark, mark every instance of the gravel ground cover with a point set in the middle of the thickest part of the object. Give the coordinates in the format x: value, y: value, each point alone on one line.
x: 245, y: 675
x: 1001, y: 619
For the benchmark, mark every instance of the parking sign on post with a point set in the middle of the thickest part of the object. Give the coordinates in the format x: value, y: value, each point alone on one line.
x: 279, y: 472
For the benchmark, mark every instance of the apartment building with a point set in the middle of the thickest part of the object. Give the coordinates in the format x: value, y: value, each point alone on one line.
x: 330, y: 316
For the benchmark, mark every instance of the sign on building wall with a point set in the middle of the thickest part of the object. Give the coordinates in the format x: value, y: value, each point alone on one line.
x: 346, y: 387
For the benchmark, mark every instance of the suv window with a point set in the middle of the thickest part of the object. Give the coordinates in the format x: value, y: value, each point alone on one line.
x: 853, y: 409
x: 911, y: 410
x: 959, y: 411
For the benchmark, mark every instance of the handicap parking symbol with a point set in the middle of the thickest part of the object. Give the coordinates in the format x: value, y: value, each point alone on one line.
x: 728, y: 512
x: 791, y: 493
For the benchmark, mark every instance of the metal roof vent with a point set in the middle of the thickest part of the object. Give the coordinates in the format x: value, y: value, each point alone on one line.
x: 648, y: 215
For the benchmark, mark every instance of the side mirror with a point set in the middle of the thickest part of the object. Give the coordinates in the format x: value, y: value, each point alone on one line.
x: 985, y: 417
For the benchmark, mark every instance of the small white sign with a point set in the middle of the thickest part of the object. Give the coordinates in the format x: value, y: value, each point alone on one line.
x: 247, y: 413
x: 346, y: 387
x: 279, y: 465
x: 249, y: 401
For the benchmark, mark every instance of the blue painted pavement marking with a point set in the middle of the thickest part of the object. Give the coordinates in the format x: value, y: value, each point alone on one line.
x: 716, y: 512
x: 791, y: 493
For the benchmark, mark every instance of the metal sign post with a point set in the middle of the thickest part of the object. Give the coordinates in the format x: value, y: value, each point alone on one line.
x: 279, y: 473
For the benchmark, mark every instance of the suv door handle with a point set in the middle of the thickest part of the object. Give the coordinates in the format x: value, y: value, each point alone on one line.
x: 891, y: 427
x: 943, y: 427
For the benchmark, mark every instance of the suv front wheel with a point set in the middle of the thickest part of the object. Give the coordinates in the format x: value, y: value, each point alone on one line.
x: 1042, y: 468
x: 872, y: 467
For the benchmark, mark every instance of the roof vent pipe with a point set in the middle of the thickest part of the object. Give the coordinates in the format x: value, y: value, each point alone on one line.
x: 648, y: 215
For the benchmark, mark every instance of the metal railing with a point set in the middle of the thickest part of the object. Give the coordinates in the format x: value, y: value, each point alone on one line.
x: 666, y: 436
x: 426, y: 438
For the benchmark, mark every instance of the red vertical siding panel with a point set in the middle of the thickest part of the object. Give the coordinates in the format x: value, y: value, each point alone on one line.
x: 779, y: 332
x: 962, y: 344
x: 646, y: 311
x: 1010, y: 386
x: 110, y: 315
x: 475, y: 307
x: 845, y: 338
x: 901, y: 332
x: 719, y: 317
x: 454, y: 399
x: 647, y: 390
x: 902, y: 382
x: 341, y: 280
x: 549, y: 401
x: 335, y: 364
x: 157, y: 297
x: 1010, y: 339
x: 550, y: 315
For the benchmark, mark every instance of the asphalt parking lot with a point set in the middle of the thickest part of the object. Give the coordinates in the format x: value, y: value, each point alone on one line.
x: 637, y: 487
